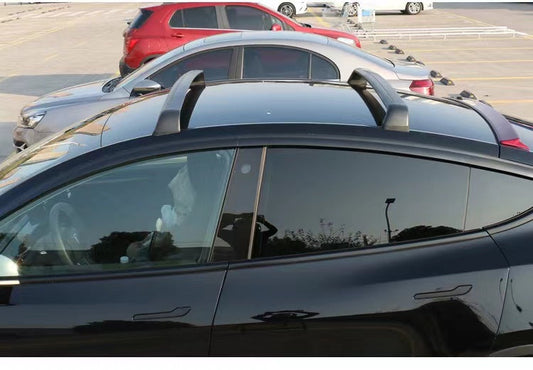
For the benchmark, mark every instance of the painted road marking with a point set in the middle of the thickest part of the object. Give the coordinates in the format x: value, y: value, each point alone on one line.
x: 510, y: 101
x: 478, y: 61
x: 6, y: 77
x: 35, y: 36
x: 476, y: 49
x: 50, y: 57
x: 493, y: 78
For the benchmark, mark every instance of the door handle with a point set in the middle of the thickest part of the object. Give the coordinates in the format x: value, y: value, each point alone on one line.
x: 178, y: 35
x: 177, y: 312
x: 459, y: 290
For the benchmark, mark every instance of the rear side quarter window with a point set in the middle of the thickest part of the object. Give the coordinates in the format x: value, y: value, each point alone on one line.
x: 199, y: 17
x: 140, y: 18
x: 496, y: 197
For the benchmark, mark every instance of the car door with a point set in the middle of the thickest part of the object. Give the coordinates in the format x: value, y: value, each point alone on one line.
x: 360, y: 253
x: 217, y: 64
x: 249, y: 17
x: 502, y: 203
x: 190, y: 23
x: 116, y: 263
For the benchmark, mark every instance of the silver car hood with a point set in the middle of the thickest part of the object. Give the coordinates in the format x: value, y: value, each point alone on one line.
x: 87, y: 93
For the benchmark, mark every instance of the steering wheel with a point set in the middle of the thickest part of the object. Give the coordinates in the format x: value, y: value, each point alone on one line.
x: 65, y: 224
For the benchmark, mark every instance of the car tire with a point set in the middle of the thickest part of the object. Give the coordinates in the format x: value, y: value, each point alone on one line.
x: 413, y: 8
x: 349, y: 9
x: 287, y: 9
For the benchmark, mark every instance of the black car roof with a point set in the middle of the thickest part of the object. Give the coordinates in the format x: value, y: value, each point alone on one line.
x: 264, y: 103
x: 273, y: 102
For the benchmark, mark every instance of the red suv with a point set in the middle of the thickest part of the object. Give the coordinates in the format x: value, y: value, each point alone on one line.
x: 158, y: 29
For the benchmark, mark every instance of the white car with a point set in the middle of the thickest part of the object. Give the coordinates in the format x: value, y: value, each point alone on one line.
x: 407, y: 7
x: 289, y: 8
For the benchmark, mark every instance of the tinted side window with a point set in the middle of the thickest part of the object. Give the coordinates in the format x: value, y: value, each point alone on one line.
x: 318, y: 200
x: 140, y: 18
x: 495, y: 197
x: 321, y: 69
x: 154, y: 213
x: 215, y: 64
x: 274, y: 62
x: 248, y: 18
x: 200, y: 17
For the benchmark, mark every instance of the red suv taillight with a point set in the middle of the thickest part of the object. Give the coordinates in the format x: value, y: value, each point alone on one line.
x: 426, y: 87
x: 129, y: 44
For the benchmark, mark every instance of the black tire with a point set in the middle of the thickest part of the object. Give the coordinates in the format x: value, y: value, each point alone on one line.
x: 413, y: 8
x: 349, y: 9
x: 287, y: 9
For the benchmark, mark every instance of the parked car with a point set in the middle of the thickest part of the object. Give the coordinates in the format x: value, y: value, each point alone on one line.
x: 259, y: 218
x: 159, y: 29
x: 246, y: 55
x: 406, y: 7
x: 289, y: 8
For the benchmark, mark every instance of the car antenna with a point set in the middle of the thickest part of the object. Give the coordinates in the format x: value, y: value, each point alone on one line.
x: 396, y: 117
x: 180, y: 102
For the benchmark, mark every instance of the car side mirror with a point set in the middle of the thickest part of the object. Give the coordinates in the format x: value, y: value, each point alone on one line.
x: 145, y: 87
x: 276, y: 27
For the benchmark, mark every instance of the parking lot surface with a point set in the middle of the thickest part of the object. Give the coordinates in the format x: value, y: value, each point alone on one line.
x: 484, y: 49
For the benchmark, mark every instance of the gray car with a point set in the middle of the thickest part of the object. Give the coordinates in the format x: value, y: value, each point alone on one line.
x: 247, y: 55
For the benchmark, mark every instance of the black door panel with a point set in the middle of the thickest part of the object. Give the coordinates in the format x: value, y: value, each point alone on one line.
x: 516, y: 329
x: 365, y: 304
x: 101, y: 317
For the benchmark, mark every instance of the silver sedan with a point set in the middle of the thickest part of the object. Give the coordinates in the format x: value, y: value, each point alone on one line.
x: 247, y: 55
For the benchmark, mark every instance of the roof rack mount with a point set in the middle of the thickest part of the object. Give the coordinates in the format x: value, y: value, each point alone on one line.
x: 180, y: 102
x: 397, y: 115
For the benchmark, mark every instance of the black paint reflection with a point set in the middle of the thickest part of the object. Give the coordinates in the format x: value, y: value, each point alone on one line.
x: 423, y: 232
x: 284, y: 315
x: 444, y: 328
x: 327, y: 199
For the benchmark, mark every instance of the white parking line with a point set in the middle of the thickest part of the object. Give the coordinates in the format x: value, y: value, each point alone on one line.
x: 53, y: 15
x: 94, y: 12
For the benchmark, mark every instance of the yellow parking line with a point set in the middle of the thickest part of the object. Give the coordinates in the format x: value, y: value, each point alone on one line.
x: 319, y: 19
x: 455, y: 39
x: 493, y: 78
x: 34, y: 36
x: 470, y: 19
x: 478, y: 61
x: 6, y: 77
x: 50, y: 57
x: 510, y: 101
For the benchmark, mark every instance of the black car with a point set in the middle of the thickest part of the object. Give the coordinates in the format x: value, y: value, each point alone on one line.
x: 272, y: 218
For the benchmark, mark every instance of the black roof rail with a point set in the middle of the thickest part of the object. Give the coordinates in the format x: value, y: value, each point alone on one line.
x: 396, y: 117
x: 180, y: 102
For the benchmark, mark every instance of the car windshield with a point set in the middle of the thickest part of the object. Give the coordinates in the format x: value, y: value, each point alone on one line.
x: 153, y: 65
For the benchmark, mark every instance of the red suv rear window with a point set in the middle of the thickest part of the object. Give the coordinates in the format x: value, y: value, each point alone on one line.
x: 140, y: 18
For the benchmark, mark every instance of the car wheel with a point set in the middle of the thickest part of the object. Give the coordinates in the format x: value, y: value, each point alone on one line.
x: 349, y: 9
x: 413, y: 8
x: 287, y: 9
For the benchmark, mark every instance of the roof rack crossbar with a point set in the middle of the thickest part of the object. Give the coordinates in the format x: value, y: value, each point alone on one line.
x: 397, y: 115
x: 180, y: 102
